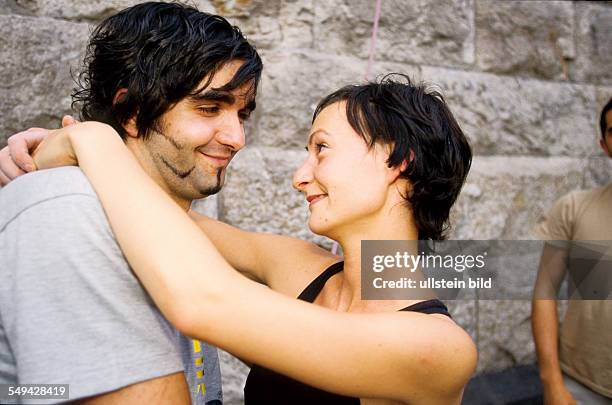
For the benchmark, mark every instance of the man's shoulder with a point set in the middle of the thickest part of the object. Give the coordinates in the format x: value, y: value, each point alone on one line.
x: 580, y: 199
x: 602, y: 192
x: 53, y: 182
x: 41, y: 186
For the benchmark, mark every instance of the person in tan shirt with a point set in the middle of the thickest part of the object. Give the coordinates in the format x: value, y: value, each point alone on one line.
x: 575, y: 360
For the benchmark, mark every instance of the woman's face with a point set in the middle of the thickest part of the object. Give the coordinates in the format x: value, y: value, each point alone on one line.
x: 345, y: 183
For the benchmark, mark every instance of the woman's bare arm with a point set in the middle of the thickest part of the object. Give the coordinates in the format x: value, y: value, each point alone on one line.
x: 283, y: 263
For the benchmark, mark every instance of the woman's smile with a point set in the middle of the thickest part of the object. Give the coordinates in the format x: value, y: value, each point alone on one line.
x: 312, y: 199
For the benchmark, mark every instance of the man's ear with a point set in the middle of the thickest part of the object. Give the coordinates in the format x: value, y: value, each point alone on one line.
x: 119, y: 95
x: 130, y: 127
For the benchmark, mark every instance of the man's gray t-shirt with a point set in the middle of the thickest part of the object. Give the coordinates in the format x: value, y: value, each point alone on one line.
x: 71, y: 310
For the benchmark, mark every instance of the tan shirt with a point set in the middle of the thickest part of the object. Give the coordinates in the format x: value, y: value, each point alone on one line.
x: 586, y: 333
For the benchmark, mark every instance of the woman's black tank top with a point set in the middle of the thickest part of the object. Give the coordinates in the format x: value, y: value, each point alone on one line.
x: 265, y: 386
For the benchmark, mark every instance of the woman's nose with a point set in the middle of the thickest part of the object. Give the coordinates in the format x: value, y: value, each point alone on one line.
x: 303, y: 175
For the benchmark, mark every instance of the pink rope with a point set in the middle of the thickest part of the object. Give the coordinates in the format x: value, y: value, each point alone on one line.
x: 373, y: 40
x: 334, y: 248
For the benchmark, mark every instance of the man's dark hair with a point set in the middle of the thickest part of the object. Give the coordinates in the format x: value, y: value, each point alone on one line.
x: 160, y: 53
x: 602, y: 118
x: 423, y: 132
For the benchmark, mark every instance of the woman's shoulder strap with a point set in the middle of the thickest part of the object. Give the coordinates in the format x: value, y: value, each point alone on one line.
x: 434, y: 306
x: 311, y: 292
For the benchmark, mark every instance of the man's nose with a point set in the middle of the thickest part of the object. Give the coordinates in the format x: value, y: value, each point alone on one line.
x: 231, y: 133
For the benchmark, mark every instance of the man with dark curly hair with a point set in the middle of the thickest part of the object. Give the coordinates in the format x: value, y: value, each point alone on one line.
x: 177, y: 85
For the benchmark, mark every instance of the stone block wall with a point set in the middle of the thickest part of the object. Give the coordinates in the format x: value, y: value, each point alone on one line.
x: 525, y: 79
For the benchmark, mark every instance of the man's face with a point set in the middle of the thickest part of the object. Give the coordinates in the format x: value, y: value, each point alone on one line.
x: 606, y: 141
x: 199, y: 136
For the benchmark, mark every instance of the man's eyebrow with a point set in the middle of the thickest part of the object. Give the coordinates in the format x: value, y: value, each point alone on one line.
x: 215, y: 95
x: 314, y: 133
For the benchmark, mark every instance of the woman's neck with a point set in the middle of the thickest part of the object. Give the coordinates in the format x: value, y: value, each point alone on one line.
x: 389, y: 227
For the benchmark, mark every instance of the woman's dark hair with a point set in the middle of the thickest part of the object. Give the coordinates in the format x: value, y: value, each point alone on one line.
x: 602, y: 118
x: 160, y: 53
x: 423, y: 132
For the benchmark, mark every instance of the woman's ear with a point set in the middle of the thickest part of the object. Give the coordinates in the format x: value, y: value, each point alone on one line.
x: 397, y: 171
x: 130, y: 127
x: 404, y: 165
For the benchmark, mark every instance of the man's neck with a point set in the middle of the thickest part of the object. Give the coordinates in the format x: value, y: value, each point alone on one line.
x: 146, y: 163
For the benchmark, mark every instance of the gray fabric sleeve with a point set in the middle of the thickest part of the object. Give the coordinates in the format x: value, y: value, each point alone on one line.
x: 73, y: 311
x: 8, y: 368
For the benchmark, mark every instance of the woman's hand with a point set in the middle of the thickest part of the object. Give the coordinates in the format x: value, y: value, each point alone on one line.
x: 16, y: 158
x: 55, y: 150
x: 58, y: 147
